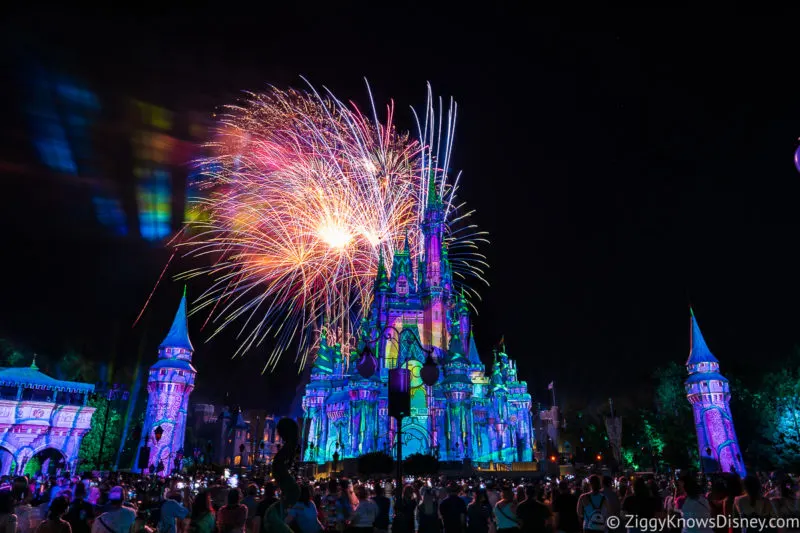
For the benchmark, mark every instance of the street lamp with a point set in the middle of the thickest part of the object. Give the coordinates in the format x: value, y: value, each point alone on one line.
x: 367, y: 364
x: 108, y: 393
x: 429, y: 372
x: 178, y: 459
x: 399, y: 387
x: 399, y: 407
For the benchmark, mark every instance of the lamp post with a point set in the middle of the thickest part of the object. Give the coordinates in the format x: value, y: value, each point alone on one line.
x: 108, y: 393
x: 157, y: 434
x: 399, y: 407
x: 399, y: 387
x: 368, y: 364
x: 178, y: 459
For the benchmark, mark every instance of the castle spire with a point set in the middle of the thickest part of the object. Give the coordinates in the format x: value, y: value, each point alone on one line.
x: 709, y: 393
x: 381, y: 280
x: 433, y: 195
x: 474, y: 358
x: 699, y: 352
x: 402, y: 279
x: 178, y: 336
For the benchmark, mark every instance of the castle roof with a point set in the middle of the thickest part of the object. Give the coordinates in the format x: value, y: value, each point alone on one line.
x: 433, y: 195
x: 178, y: 336
x: 30, y: 377
x: 177, y: 364
x: 699, y: 352
x: 474, y: 357
x: 381, y: 278
x: 705, y: 376
x: 240, y: 423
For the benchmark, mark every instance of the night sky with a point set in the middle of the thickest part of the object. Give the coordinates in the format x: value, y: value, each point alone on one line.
x: 624, y: 168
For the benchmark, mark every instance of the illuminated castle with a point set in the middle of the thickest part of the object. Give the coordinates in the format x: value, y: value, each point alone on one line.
x: 169, y: 384
x: 467, y: 414
x: 709, y: 394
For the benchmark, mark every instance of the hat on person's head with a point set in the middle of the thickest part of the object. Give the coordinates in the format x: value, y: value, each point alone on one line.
x: 116, y: 494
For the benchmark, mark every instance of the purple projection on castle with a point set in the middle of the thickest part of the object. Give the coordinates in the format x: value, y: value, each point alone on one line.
x: 709, y: 393
x: 169, y: 385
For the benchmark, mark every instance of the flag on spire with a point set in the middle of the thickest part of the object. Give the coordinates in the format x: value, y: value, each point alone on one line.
x: 551, y: 385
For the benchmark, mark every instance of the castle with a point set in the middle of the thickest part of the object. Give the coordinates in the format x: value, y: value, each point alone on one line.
x: 467, y: 414
x: 709, y: 393
x: 233, y: 437
x: 169, y: 383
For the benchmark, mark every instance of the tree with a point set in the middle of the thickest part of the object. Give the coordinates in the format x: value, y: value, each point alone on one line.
x: 418, y: 464
x: 33, y: 466
x: 778, y: 402
x: 375, y: 463
x: 670, y: 430
x: 11, y: 354
x: 73, y: 366
x: 90, y: 445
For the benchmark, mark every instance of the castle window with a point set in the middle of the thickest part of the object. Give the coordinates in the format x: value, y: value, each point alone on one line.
x: 402, y: 286
x: 237, y: 460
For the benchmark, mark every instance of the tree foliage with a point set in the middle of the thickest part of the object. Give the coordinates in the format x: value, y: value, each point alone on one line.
x: 418, y: 464
x: 11, y: 354
x: 90, y: 445
x: 670, y: 430
x: 33, y: 466
x: 73, y: 366
x: 778, y: 401
x: 375, y: 463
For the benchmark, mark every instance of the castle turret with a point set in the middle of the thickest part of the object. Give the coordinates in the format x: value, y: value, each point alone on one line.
x: 402, y: 280
x: 434, y: 297
x: 464, y: 329
x: 457, y: 388
x: 447, y: 269
x: 169, y: 384
x: 433, y: 231
x: 240, y: 444
x: 709, y: 393
x: 225, y: 422
x: 382, y: 289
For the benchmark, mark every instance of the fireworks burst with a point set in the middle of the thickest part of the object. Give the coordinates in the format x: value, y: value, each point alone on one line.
x: 305, y: 194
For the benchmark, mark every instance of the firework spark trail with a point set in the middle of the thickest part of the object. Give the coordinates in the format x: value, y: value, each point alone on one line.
x: 305, y: 193
x: 150, y: 296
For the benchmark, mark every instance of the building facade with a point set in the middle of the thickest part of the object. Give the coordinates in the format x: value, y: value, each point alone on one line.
x: 709, y: 393
x: 39, y: 413
x: 169, y: 384
x: 233, y: 437
x: 467, y: 414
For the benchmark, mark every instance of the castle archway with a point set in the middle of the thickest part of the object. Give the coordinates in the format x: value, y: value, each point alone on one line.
x: 7, y: 462
x: 47, y: 460
x: 416, y: 439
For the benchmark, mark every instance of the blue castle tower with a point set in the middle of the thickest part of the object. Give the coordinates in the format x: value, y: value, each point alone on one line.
x: 709, y: 393
x: 169, y: 384
x: 467, y: 414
